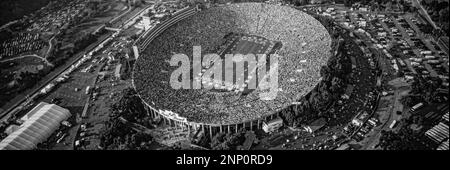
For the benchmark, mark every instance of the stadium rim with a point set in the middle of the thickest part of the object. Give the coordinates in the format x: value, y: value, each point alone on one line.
x: 150, y: 36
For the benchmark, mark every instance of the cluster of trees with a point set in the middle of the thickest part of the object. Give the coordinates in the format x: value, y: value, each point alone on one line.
x: 423, y: 90
x: 335, y: 75
x: 61, y: 53
x: 70, y: 41
x: 405, y: 138
x: 118, y: 136
x: 402, y: 140
x: 92, y: 8
x: 12, y: 84
x: 438, y: 11
x: 3, y: 126
x: 130, y: 107
x: 16, y: 9
x: 229, y: 141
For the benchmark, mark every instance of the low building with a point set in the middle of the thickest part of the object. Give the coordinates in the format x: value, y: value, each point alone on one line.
x: 37, y: 126
x: 438, y: 133
x: 117, y: 71
x: 445, y: 117
x: 272, y: 125
x: 443, y: 146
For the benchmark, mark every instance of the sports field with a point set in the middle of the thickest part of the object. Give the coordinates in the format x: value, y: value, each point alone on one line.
x: 242, y: 44
x: 247, y: 44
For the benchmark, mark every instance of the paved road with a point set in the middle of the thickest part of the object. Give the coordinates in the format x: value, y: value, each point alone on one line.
x: 50, y: 44
x: 24, y: 56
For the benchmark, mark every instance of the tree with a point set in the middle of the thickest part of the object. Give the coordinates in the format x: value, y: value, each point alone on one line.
x: 217, y: 140
x: 118, y: 136
x: 288, y: 116
x: 228, y: 141
x: 443, y: 15
x: 129, y: 106
x: 404, y: 139
x: 348, y: 3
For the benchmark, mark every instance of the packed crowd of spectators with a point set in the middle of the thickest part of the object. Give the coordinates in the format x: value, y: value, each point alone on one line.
x: 305, y: 48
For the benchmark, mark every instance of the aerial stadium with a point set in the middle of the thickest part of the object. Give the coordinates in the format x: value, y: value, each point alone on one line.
x: 300, y: 41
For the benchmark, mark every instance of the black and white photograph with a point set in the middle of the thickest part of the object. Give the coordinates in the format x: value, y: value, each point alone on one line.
x: 242, y: 77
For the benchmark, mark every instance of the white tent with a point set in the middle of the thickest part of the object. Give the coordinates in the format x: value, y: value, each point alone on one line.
x: 38, y: 125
